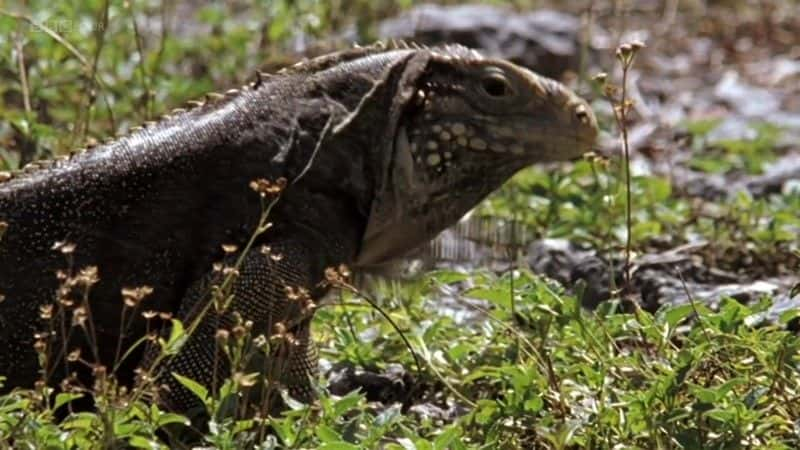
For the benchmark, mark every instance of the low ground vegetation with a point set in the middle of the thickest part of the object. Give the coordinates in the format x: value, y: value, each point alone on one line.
x: 514, y: 360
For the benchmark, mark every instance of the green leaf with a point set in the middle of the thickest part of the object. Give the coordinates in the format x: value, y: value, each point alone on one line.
x: 709, y: 164
x: 80, y: 421
x: 346, y: 403
x: 340, y: 445
x: 194, y: 387
x: 701, y: 127
x: 723, y: 415
x: 285, y: 430
x: 485, y: 413
x: 243, y: 425
x: 677, y: 314
x: 168, y: 418
x: 500, y: 296
x: 449, y: 276
x: 646, y: 229
x: 65, y: 397
x: 327, y: 434
x: 423, y: 444
x: 724, y: 388
x: 142, y: 442
x: 705, y: 395
x: 656, y: 189
x: 212, y: 15
x: 534, y: 404
x: 788, y: 316
x: 444, y: 440
x: 177, y: 337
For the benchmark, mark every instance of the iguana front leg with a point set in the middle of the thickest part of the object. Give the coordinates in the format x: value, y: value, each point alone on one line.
x: 265, y: 292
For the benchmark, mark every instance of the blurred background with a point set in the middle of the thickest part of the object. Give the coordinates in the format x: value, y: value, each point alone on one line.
x: 713, y: 129
x: 715, y: 109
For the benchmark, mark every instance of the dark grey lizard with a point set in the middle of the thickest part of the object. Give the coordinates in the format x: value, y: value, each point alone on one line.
x: 393, y: 145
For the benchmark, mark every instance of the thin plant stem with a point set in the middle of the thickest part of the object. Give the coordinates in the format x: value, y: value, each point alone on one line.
x: 627, y: 162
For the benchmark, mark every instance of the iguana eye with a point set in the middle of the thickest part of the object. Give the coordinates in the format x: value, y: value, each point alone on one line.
x: 496, y: 85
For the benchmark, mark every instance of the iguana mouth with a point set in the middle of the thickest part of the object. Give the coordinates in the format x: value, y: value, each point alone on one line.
x: 441, y: 144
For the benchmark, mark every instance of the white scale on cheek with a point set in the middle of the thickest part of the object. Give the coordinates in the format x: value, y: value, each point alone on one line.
x: 458, y: 129
x: 477, y: 144
x: 433, y: 159
x: 504, y: 132
x: 497, y: 147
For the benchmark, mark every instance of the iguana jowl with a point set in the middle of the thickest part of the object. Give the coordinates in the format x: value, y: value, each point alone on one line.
x: 383, y: 148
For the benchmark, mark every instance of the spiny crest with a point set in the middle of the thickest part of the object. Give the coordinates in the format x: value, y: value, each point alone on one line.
x: 452, y: 51
x: 455, y: 53
x: 210, y: 99
x: 330, y: 60
x: 459, y: 52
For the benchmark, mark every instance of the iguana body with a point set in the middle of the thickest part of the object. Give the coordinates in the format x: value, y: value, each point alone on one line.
x: 382, y: 148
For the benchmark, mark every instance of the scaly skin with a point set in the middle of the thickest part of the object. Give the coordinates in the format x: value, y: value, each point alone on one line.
x: 383, y: 148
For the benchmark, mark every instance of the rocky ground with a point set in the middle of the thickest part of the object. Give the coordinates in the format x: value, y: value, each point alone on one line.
x: 732, y: 73
x: 691, y: 71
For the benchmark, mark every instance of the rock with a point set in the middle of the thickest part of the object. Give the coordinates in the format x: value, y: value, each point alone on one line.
x: 732, y: 128
x: 747, y: 100
x: 544, y: 40
x: 555, y: 258
x: 777, y: 176
x: 392, y: 385
x: 660, y: 288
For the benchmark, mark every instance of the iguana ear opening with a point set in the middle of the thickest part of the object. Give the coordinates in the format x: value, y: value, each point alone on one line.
x: 388, y: 98
x: 407, y: 85
x: 383, y: 108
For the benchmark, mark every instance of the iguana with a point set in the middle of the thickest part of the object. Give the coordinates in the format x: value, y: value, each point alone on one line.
x: 382, y: 148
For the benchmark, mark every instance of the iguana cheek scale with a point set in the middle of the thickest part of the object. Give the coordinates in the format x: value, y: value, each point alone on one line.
x: 382, y: 148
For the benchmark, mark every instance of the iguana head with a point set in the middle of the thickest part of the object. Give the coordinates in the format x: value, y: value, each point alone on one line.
x: 463, y: 125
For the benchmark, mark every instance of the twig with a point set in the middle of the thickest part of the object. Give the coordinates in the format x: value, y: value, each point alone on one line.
x: 137, y: 37
x: 694, y: 305
x: 626, y: 54
x: 343, y: 284
x: 100, y: 39
x: 623, y: 120
x: 23, y: 76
